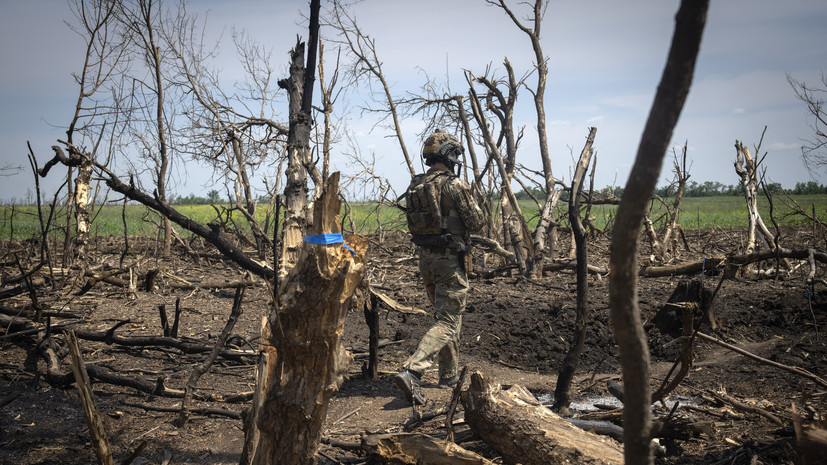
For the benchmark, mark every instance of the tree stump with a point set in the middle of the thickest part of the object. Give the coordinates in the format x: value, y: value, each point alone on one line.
x: 668, y: 318
x: 524, y: 431
x: 306, y: 362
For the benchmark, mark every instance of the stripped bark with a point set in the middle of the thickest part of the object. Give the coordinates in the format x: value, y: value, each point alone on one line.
x: 747, y: 168
x: 204, y: 366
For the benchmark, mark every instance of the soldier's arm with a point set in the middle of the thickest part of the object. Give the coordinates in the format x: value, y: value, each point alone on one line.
x: 469, y: 211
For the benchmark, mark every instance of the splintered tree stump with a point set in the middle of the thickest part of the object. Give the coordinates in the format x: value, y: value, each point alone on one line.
x: 668, y: 319
x: 524, y: 431
x: 305, y: 360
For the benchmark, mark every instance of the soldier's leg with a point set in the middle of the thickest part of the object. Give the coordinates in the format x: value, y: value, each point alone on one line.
x: 448, y: 357
x: 450, y: 290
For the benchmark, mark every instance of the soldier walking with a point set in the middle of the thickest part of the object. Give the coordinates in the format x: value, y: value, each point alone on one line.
x: 441, y: 214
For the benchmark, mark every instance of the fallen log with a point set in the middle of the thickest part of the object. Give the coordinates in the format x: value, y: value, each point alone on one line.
x: 93, y: 420
x: 746, y: 407
x: 416, y: 448
x: 207, y: 411
x: 792, y: 369
x: 29, y: 314
x: 521, y: 429
x: 732, y: 260
x: 186, y: 347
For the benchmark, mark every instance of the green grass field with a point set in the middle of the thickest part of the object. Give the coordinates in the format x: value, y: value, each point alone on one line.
x: 22, y: 222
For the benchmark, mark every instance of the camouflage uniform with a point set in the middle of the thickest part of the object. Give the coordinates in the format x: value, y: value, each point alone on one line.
x: 443, y: 273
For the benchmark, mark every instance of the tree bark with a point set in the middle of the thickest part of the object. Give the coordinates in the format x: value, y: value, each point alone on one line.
x: 298, y: 147
x: 523, y: 431
x: 623, y: 298
x: 306, y: 362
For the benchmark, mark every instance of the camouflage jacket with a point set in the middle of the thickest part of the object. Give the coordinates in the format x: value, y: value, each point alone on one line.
x: 439, y: 202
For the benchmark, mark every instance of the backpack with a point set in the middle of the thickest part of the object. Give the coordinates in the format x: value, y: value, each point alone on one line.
x: 423, y: 203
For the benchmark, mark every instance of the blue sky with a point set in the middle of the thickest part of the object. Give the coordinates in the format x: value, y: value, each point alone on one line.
x: 605, y: 62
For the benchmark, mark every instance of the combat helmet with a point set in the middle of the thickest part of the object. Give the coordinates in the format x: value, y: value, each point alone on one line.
x: 441, y: 146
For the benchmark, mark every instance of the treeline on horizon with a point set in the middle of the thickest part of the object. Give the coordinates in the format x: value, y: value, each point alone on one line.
x: 695, y: 189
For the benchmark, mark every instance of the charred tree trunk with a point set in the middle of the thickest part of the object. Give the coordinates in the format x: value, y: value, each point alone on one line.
x: 566, y: 374
x: 306, y: 362
x: 298, y: 147
x: 623, y: 298
x: 300, y: 88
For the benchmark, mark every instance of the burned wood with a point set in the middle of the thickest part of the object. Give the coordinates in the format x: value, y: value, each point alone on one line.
x: 28, y: 314
x: 162, y: 310
x: 731, y: 260
x: 96, y: 278
x: 452, y: 406
x: 135, y: 453
x: 173, y: 333
x: 24, y: 327
x: 87, y: 400
x: 415, y: 448
x: 207, y: 411
x: 792, y: 369
x: 203, y: 367
x: 418, y: 417
x: 108, y: 337
x: 177, y: 283
x: 371, y: 310
x: 603, y: 428
x: 565, y: 375
x: 746, y: 407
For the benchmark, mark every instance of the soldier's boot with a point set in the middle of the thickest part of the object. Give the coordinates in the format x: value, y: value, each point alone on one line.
x: 408, y: 382
x: 448, y: 382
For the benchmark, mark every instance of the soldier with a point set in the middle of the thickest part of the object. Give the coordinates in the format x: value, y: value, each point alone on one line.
x: 441, y: 214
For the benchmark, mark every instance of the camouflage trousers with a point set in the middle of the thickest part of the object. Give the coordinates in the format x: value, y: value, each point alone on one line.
x: 447, y: 286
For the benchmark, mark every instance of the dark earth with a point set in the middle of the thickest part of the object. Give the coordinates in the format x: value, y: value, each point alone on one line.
x: 515, y: 330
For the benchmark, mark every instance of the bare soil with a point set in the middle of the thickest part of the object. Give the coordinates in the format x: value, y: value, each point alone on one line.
x: 516, y: 331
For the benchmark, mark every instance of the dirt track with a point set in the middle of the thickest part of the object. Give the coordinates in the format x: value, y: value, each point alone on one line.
x: 515, y: 330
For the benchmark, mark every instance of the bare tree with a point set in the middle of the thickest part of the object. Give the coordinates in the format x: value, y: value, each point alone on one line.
x: 747, y: 168
x: 142, y: 20
x: 104, y: 56
x: 515, y: 227
x: 623, y: 262
x: 814, y: 151
x: 544, y: 234
x: 665, y: 244
x: 366, y: 64
x: 234, y: 133
x: 572, y: 360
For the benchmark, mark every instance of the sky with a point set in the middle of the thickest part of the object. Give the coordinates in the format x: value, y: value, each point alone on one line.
x: 605, y: 61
